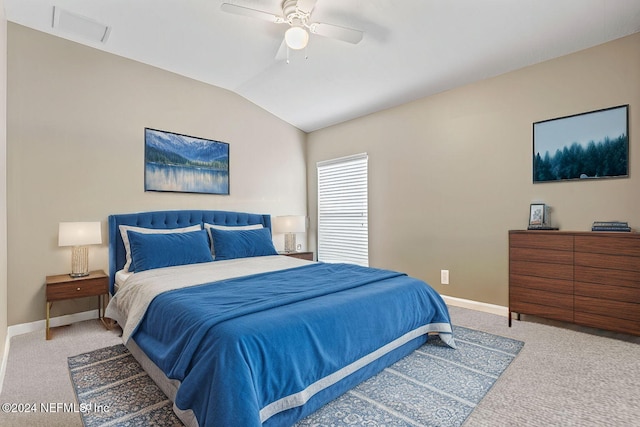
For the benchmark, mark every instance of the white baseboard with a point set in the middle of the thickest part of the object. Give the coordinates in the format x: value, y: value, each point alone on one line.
x: 25, y: 328
x: 40, y: 325
x: 476, y: 305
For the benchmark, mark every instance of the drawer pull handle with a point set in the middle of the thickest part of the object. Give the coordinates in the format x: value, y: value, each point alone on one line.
x: 78, y: 289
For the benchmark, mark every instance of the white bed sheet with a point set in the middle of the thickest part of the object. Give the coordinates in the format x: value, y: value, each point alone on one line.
x: 133, y: 297
x: 121, y: 277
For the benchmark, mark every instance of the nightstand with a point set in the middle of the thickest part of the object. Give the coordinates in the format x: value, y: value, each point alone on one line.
x: 63, y: 286
x: 302, y: 255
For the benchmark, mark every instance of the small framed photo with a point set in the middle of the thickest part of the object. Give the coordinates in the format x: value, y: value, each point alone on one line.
x: 537, y: 215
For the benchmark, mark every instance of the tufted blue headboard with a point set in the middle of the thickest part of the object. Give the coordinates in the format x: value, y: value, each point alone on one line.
x: 170, y: 219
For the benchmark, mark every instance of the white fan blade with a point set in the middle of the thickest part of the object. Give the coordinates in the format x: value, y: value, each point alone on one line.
x: 306, y: 6
x: 252, y: 13
x: 348, y: 35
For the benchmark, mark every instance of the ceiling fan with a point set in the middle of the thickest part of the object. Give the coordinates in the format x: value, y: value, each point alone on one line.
x: 297, y: 14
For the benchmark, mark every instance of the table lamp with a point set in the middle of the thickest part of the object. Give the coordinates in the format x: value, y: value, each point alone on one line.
x: 79, y: 235
x: 290, y: 225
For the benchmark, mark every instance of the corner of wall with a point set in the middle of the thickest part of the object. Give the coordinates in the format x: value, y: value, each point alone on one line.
x: 4, y: 346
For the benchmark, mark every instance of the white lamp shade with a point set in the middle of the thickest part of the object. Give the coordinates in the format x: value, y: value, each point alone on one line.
x: 296, y: 38
x: 290, y: 224
x: 79, y: 233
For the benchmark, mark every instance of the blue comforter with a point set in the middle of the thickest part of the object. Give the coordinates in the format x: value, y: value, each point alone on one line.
x: 271, y: 348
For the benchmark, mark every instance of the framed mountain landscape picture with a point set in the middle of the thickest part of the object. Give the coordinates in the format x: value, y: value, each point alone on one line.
x: 186, y: 164
x: 583, y: 146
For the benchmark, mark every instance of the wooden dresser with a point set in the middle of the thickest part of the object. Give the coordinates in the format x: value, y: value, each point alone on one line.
x: 587, y: 278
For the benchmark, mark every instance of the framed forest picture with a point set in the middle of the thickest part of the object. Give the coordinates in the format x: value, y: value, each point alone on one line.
x: 583, y: 146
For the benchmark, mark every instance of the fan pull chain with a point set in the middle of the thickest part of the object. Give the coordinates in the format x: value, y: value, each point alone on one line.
x: 306, y: 54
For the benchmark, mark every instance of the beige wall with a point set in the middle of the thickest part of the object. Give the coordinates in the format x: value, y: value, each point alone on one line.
x: 3, y: 182
x: 450, y: 174
x: 76, y: 118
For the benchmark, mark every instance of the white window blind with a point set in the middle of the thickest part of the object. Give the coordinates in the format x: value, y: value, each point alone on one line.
x: 343, y: 225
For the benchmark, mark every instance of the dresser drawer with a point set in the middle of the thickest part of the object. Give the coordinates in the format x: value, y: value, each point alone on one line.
x: 539, y: 269
x: 608, y: 292
x: 541, y: 241
x: 81, y: 288
x: 556, y: 313
x: 608, y: 323
x: 546, y: 256
x: 612, y: 277
x: 610, y: 262
x: 533, y: 296
x: 618, y: 244
x: 613, y: 309
x: 542, y: 284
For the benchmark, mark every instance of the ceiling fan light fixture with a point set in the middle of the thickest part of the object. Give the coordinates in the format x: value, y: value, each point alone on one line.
x: 296, y: 37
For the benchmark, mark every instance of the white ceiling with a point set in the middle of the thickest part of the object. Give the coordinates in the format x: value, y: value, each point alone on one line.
x: 411, y: 48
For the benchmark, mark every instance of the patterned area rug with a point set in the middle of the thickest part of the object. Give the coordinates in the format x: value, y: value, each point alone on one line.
x: 433, y: 386
x: 113, y: 390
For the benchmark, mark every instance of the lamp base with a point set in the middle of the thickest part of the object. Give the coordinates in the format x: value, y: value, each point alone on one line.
x: 79, y: 261
x: 74, y: 275
x: 290, y: 242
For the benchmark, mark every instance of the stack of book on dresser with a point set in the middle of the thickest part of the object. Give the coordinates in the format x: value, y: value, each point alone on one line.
x: 610, y: 226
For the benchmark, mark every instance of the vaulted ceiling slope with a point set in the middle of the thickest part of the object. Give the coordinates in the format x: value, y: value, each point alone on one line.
x: 410, y: 48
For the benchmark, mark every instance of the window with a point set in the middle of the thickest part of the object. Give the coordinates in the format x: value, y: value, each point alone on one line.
x: 343, y: 226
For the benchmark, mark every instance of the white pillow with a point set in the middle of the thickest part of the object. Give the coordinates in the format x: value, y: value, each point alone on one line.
x: 125, y: 237
x: 208, y: 227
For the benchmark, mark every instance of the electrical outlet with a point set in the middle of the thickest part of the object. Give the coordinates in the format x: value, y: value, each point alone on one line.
x: 444, y: 277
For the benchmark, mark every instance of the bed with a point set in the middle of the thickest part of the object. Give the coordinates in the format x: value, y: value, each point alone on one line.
x: 236, y: 334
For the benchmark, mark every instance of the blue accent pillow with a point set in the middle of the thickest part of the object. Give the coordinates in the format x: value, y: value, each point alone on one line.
x: 230, y: 244
x: 149, y: 251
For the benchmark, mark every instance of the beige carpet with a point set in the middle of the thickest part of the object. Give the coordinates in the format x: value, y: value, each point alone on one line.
x: 37, y: 372
x: 562, y: 377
